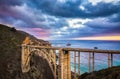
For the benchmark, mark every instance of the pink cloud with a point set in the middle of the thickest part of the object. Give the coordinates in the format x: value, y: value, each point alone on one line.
x: 38, y: 32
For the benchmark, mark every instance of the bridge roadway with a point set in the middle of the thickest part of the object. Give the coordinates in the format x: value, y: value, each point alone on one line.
x: 77, y: 49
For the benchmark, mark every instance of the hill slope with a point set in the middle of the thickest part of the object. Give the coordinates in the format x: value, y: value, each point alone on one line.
x: 110, y: 73
x: 10, y: 56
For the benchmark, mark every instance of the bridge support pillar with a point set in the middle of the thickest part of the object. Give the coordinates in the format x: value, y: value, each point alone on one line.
x: 91, y: 57
x: 89, y: 63
x: 110, y: 60
x: 79, y: 63
x: 75, y: 65
x: 93, y: 61
x: 64, y: 65
x: 25, y: 58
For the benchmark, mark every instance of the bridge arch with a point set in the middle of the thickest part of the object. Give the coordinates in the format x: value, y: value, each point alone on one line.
x: 45, y: 65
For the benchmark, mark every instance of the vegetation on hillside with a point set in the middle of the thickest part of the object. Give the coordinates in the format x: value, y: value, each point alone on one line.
x: 110, y: 73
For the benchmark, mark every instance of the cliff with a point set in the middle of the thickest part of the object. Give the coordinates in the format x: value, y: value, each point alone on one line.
x: 10, y: 56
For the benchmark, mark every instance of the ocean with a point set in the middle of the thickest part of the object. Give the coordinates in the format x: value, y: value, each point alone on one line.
x: 100, y: 59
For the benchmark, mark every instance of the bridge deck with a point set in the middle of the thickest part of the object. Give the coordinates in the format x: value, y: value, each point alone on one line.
x: 77, y: 49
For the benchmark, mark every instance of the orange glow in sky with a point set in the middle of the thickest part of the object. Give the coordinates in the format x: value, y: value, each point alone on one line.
x: 116, y: 38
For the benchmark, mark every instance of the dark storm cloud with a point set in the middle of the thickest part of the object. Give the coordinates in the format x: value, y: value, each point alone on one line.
x: 103, y: 27
x: 115, y: 18
x: 58, y: 24
x: 80, y: 34
x: 114, y: 30
x: 20, y: 15
x: 71, y: 9
x: 53, y: 7
x: 11, y: 2
x: 103, y: 9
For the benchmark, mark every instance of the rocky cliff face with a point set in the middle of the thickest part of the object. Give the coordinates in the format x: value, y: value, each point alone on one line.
x: 10, y: 57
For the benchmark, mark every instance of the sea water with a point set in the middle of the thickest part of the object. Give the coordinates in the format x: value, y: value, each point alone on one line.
x: 101, y: 60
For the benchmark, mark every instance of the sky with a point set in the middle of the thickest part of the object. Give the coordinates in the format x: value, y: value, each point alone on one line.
x: 64, y: 19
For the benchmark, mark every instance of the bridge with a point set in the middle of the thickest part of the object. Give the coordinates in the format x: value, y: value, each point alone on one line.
x: 62, y: 68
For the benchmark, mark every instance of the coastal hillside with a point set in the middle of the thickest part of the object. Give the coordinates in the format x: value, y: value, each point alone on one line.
x: 110, y: 73
x: 10, y: 56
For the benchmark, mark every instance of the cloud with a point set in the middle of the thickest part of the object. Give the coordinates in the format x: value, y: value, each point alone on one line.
x: 82, y: 7
x: 77, y: 23
x: 95, y: 2
x: 64, y: 18
x: 64, y: 28
x: 102, y: 23
x: 11, y: 2
x: 37, y: 32
x: 103, y: 26
x: 115, y: 18
x: 24, y: 16
x: 72, y: 9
